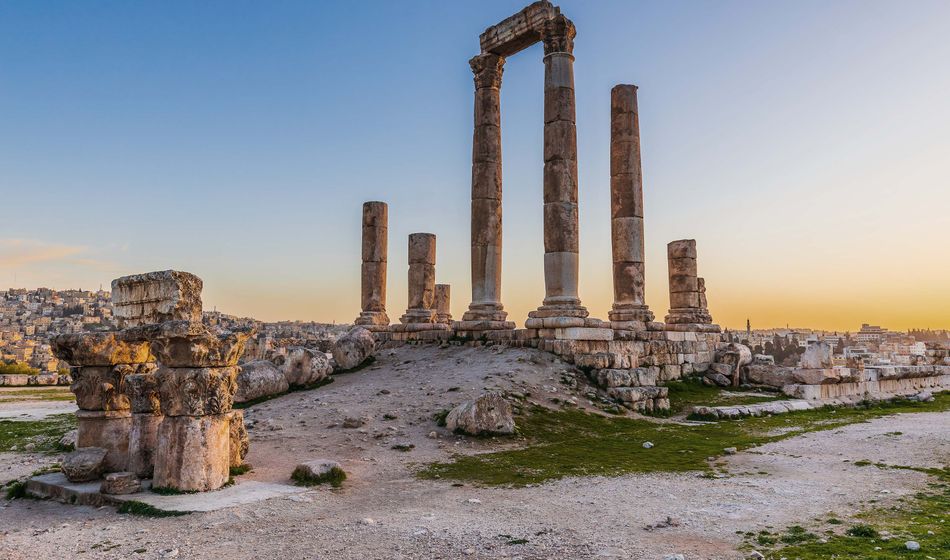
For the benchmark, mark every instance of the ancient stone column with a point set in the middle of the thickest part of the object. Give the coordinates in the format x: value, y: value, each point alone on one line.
x: 196, y: 383
x: 101, y: 362
x: 686, y: 299
x: 421, y: 279
x: 560, y: 174
x: 443, y: 303
x: 626, y: 208
x: 486, y: 306
x: 142, y: 390
x: 373, y: 274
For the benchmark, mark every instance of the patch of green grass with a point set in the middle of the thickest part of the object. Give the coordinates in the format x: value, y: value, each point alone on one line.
x: 16, y: 490
x: 686, y: 394
x: 440, y: 417
x: 334, y: 477
x: 863, y: 531
x: 169, y: 491
x: 43, y: 434
x: 565, y: 443
x: 134, y: 507
x: 922, y: 519
x: 241, y: 469
x: 54, y: 393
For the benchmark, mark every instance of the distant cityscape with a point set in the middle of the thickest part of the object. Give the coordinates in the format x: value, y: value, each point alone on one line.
x: 29, y: 319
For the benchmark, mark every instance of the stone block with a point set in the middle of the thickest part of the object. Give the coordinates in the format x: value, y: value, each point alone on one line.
x: 143, y: 438
x: 487, y: 180
x: 560, y: 141
x: 683, y: 283
x: 559, y: 104
x: 560, y: 181
x: 682, y: 267
x: 156, y: 297
x: 486, y: 144
x: 197, y: 391
x: 627, y: 239
x: 683, y: 248
x: 120, y: 483
x: 193, y: 453
x: 626, y: 195
x: 375, y: 244
x: 190, y: 344
x: 99, y: 349
x: 560, y: 227
x: 108, y: 430
x: 486, y: 222
x: 584, y: 333
x: 679, y: 300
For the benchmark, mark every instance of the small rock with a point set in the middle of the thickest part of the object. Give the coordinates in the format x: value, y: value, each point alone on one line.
x: 474, y: 501
x: 730, y: 451
x: 674, y: 557
x: 352, y: 422
x: 367, y: 521
x: 913, y: 546
x: 68, y: 441
x: 84, y: 464
x: 647, y: 445
x: 756, y: 555
x: 433, y: 435
x: 118, y: 483
x: 489, y: 414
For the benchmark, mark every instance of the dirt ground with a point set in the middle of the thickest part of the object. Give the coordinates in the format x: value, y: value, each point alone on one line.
x: 384, y: 512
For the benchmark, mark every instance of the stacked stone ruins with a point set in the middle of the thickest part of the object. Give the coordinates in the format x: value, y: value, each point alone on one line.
x: 627, y: 355
x: 155, y: 396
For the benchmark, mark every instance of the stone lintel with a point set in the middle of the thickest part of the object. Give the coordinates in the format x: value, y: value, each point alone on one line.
x: 519, y: 31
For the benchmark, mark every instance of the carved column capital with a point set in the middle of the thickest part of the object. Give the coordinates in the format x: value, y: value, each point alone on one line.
x: 558, y: 35
x: 488, y: 69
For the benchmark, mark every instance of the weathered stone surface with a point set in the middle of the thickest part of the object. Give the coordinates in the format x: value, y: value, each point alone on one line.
x: 100, y: 388
x: 260, y: 379
x: 817, y: 356
x: 718, y: 378
x: 519, y: 31
x: 190, y: 344
x: 141, y: 388
x: 239, y: 442
x: 373, y: 268
x: 194, y: 453
x: 156, y: 297
x: 683, y: 248
x: 98, y: 349
x: 354, y: 348
x: 119, y: 483
x: 443, y: 303
x: 84, y: 464
x: 305, y: 366
x: 108, y: 430
x: 487, y: 415
x: 143, y: 438
x: 196, y: 391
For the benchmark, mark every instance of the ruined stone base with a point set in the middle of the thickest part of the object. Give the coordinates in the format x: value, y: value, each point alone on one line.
x: 631, y: 313
x: 414, y: 316
x: 693, y: 327
x: 54, y: 486
x: 559, y: 310
x: 470, y: 325
x: 143, y: 437
x: 108, y: 430
x: 192, y: 453
x: 687, y: 316
x: 373, y: 320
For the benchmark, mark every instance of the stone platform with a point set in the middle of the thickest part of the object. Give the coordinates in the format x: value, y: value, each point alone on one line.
x: 54, y: 486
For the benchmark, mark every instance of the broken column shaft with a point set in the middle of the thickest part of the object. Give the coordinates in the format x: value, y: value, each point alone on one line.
x: 443, y: 303
x: 421, y: 279
x: 626, y: 209
x: 373, y: 273
x: 685, y: 296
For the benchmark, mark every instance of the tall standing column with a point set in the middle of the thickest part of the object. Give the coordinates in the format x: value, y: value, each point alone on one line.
x: 421, y: 279
x: 626, y: 208
x: 486, y: 306
x: 373, y: 273
x: 560, y: 174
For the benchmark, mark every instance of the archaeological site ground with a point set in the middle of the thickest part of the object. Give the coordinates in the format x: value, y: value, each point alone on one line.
x: 645, y: 434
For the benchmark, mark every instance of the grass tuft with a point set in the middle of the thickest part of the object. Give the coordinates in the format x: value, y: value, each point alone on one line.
x: 334, y: 477
x: 133, y: 507
x: 44, y: 434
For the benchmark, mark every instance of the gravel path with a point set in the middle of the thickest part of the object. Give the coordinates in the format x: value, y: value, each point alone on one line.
x: 384, y: 512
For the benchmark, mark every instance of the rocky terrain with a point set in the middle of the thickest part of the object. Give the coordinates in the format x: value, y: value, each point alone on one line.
x: 378, y: 423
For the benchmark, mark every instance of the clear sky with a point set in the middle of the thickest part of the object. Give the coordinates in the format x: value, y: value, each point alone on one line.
x: 805, y: 145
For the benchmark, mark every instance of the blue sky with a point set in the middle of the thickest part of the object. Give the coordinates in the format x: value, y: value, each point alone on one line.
x: 803, y: 144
